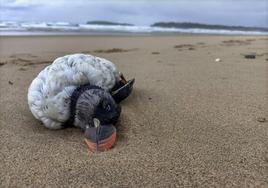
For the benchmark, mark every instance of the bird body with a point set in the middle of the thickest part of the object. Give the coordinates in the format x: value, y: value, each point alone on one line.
x: 49, y: 95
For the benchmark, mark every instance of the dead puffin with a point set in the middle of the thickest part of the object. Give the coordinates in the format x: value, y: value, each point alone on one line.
x: 83, y: 91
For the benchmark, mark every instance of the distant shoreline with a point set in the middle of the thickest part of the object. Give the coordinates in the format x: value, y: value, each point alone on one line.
x: 190, y: 25
x: 111, y: 33
x: 59, y: 28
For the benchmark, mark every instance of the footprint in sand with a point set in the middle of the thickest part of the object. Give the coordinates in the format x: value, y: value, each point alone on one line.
x: 182, y: 47
x: 251, y: 40
x: 235, y: 42
x: 253, y: 55
x: 2, y: 63
x: 22, y: 69
x: 24, y: 62
x: 23, y: 56
x: 114, y: 50
x: 261, y: 119
x: 201, y: 43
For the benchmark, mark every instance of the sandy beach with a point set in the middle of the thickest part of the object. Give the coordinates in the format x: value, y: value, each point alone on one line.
x: 190, y: 121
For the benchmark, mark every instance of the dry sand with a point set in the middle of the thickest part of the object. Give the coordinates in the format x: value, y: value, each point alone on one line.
x: 190, y: 121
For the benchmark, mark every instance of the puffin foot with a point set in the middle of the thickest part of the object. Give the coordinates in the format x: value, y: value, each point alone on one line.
x: 122, y: 89
x: 100, y: 138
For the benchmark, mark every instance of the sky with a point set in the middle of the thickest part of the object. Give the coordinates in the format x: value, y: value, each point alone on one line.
x: 138, y: 12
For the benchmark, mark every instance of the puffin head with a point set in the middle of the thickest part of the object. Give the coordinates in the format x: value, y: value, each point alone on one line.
x: 95, y: 103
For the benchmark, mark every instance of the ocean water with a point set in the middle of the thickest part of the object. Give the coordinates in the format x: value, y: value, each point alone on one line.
x: 8, y: 28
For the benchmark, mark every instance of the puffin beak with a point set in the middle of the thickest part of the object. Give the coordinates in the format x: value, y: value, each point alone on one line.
x: 100, y: 137
x: 124, y: 91
x: 123, y: 78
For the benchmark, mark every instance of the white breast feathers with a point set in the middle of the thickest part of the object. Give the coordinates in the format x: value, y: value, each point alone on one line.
x: 49, y: 93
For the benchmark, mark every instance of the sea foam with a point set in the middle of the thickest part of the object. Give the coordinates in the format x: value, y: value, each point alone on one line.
x: 46, y: 28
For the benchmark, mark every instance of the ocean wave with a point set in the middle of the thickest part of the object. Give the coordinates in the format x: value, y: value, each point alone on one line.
x: 70, y: 27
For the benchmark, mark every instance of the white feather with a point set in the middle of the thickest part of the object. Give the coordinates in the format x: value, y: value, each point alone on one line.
x: 49, y: 93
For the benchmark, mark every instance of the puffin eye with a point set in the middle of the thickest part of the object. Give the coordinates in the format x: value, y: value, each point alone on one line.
x: 106, y: 106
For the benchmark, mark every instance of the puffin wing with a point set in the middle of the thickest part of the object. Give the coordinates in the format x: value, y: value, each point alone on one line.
x: 49, y: 93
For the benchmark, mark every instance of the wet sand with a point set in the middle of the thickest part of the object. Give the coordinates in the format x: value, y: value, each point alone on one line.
x: 190, y: 121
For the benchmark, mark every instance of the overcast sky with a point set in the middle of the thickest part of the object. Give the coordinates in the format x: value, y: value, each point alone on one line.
x: 139, y: 12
